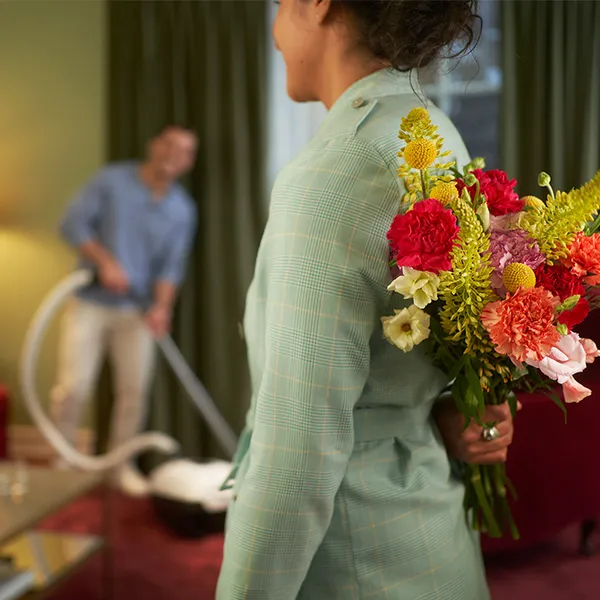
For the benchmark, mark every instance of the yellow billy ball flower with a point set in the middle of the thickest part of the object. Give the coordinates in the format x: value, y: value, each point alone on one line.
x: 444, y: 192
x: 420, y: 154
x: 416, y: 114
x: 518, y: 275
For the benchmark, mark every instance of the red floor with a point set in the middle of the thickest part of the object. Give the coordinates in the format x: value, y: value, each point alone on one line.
x: 152, y: 565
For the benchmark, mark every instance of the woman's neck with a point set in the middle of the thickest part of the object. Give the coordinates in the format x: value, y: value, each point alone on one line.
x: 341, y: 72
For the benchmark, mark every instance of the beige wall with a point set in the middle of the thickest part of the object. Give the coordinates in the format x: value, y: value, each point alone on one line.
x: 52, y: 137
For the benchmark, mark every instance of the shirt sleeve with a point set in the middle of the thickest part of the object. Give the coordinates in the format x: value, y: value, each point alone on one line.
x: 173, y: 264
x: 80, y: 222
x: 327, y: 267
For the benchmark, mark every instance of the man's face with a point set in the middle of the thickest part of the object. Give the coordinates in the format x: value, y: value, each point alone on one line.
x: 173, y: 152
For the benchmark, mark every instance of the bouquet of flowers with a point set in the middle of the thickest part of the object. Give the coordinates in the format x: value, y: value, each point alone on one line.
x: 498, y: 283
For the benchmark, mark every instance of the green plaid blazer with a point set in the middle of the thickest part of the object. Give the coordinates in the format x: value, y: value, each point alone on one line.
x: 342, y: 487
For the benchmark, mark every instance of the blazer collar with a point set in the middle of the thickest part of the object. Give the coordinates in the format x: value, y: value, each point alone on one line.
x: 385, y: 82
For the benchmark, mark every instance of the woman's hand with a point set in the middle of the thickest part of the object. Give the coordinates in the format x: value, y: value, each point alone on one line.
x: 467, y: 444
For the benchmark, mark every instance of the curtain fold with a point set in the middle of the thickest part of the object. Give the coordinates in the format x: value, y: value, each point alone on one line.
x: 551, y: 111
x: 201, y: 64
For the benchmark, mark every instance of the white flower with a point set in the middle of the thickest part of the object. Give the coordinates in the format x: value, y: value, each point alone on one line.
x: 421, y: 286
x: 407, y: 328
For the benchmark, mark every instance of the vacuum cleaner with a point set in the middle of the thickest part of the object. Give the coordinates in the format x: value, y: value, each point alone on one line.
x: 186, y: 494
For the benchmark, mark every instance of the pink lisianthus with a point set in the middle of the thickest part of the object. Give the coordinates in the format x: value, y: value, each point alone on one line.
x: 510, y: 246
x: 567, y: 357
x: 591, y: 350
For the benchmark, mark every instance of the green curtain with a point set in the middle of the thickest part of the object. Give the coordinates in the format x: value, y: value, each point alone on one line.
x: 551, y: 110
x: 201, y: 64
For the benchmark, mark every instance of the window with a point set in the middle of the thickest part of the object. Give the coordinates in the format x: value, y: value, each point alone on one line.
x: 468, y: 91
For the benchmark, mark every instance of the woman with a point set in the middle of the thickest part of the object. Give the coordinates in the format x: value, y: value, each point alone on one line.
x: 343, y: 488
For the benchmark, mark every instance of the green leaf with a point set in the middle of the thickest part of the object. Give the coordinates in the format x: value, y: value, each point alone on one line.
x: 519, y: 372
x: 458, y: 393
x: 591, y: 228
x: 457, y: 368
x: 474, y: 382
x: 558, y: 401
x: 512, y: 403
x: 457, y: 174
x: 444, y: 352
x: 466, y: 403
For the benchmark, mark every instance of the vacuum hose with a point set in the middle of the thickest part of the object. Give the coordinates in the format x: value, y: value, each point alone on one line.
x: 137, y: 445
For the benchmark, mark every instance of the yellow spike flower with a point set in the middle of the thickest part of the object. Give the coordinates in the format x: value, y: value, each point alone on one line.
x: 420, y: 154
x: 517, y: 275
x: 417, y: 114
x: 444, y: 192
x: 533, y: 202
x: 555, y: 227
x: 466, y: 289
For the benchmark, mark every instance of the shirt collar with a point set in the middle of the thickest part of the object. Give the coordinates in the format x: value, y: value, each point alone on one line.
x: 168, y: 195
x: 385, y: 82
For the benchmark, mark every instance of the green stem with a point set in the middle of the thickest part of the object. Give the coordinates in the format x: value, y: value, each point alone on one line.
x: 489, y: 520
x: 487, y: 484
x: 502, y: 482
x: 477, y: 193
x: 424, y: 187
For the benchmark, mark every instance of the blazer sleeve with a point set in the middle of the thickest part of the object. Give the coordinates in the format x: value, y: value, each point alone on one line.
x: 326, y: 267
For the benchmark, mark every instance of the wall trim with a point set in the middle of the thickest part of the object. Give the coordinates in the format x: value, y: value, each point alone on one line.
x: 25, y: 442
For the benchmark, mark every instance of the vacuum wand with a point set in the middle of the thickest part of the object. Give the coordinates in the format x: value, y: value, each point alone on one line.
x: 194, y: 387
x: 199, y: 396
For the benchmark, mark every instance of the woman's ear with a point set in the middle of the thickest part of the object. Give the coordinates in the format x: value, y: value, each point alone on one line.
x: 322, y: 9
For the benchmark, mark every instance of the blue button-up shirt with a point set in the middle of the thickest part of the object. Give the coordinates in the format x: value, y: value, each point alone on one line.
x: 150, y: 238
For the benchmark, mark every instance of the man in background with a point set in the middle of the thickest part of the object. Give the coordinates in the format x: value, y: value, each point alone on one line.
x: 134, y: 225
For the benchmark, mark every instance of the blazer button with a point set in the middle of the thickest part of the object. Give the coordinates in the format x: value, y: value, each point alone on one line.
x: 358, y: 102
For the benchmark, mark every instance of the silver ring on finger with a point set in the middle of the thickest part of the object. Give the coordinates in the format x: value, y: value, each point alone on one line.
x: 489, y: 434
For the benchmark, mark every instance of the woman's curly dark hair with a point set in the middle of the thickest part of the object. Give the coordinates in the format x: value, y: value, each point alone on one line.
x: 411, y: 34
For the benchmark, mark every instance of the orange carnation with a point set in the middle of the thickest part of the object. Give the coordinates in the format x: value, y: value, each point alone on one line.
x: 584, y: 257
x: 522, y: 325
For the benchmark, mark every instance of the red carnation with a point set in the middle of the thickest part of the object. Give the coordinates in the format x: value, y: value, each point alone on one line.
x: 498, y: 191
x: 577, y: 315
x: 423, y: 237
x: 560, y: 281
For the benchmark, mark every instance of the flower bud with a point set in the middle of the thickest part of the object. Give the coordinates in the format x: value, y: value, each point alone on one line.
x: 569, y: 303
x: 562, y: 329
x: 533, y: 202
x: 483, y: 212
x: 470, y: 180
x: 478, y: 163
x: 544, y: 179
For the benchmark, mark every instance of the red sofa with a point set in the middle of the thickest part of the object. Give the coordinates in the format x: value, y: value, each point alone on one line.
x: 555, y: 466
